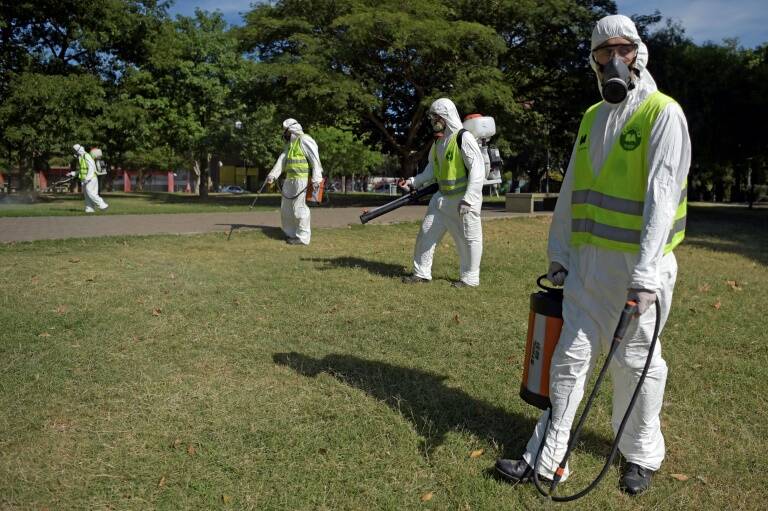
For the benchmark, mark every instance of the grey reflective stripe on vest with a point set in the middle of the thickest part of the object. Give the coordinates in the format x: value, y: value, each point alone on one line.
x: 677, y: 227
x: 452, y: 182
x: 299, y: 161
x: 620, y: 234
x: 609, y: 202
x: 608, y: 232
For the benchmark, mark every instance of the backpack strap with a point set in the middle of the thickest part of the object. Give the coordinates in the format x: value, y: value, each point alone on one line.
x: 461, y: 137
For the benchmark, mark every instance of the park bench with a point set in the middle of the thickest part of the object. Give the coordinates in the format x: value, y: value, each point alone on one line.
x: 530, y: 202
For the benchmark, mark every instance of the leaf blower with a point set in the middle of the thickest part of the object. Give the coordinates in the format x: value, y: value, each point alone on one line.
x: 408, y: 198
x: 545, y: 321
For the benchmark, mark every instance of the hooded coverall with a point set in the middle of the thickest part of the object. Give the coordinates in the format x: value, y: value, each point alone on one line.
x: 598, y: 278
x: 294, y: 213
x: 443, y: 210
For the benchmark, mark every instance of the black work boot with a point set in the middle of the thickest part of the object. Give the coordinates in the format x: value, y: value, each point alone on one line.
x: 635, y: 479
x: 516, y: 471
x: 413, y: 279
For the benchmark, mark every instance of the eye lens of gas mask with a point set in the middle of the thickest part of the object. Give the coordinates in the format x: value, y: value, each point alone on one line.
x: 604, y: 54
x: 286, y: 135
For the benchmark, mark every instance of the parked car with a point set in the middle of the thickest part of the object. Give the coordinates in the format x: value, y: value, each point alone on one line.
x: 232, y: 189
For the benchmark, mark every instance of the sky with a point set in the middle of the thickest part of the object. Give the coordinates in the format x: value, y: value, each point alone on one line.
x: 704, y: 20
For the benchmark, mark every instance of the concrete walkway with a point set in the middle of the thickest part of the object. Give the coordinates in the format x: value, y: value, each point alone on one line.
x: 59, y: 227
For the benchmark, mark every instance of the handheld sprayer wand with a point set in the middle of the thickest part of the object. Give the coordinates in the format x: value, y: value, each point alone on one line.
x: 257, y: 194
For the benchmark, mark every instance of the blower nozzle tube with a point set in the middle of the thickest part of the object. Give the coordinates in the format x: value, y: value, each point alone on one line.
x: 400, y: 202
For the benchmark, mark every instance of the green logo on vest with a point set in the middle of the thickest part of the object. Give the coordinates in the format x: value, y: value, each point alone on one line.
x: 449, y: 155
x: 630, y: 139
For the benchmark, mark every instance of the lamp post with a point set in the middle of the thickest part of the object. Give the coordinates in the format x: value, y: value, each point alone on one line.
x: 239, y: 126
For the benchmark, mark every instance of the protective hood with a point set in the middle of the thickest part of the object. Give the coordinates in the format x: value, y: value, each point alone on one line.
x: 619, y: 25
x: 293, y: 127
x: 79, y: 150
x: 445, y: 108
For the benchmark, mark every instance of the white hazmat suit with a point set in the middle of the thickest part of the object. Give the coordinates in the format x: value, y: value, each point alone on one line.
x: 294, y: 212
x: 89, y: 181
x: 443, y: 212
x: 598, y: 279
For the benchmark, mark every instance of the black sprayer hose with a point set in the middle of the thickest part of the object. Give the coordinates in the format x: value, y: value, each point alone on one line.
x: 575, y: 435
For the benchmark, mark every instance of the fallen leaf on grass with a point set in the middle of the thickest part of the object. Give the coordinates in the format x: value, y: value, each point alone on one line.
x: 734, y: 285
x: 161, y: 482
x: 176, y: 443
x: 236, y: 301
x: 226, y: 499
x: 679, y: 477
x: 476, y: 453
x: 157, y: 311
x: 427, y: 496
x: 74, y: 260
x: 61, y: 309
x: 172, y: 276
x: 44, y: 334
x: 702, y: 479
x: 456, y: 318
x: 717, y: 305
x: 703, y: 288
x: 191, y: 450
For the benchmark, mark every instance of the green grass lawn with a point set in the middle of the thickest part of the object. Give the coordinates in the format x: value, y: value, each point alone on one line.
x: 66, y: 204
x: 188, y: 372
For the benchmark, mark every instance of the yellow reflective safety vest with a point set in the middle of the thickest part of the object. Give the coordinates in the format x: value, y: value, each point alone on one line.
x: 296, y: 163
x: 83, y: 166
x: 607, y: 210
x: 450, y: 173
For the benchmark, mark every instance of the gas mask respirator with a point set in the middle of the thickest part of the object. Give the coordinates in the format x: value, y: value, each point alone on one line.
x: 617, y: 81
x: 287, y: 136
x: 438, y: 124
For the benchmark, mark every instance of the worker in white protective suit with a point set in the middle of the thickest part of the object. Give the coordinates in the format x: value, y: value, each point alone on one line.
x: 456, y: 163
x: 86, y: 172
x: 620, y: 212
x: 299, y: 155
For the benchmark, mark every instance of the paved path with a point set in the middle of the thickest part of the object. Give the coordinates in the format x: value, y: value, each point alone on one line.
x: 59, y: 227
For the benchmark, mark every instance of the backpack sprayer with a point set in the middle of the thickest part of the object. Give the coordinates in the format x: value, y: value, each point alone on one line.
x: 545, y: 321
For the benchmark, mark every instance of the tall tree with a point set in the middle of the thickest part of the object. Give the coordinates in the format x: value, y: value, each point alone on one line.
x: 191, y: 69
x: 375, y: 65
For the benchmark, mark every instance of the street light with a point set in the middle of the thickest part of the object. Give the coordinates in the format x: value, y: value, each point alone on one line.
x: 239, y: 126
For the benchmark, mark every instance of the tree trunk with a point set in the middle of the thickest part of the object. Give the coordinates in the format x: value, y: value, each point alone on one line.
x: 409, y: 163
x: 201, y: 169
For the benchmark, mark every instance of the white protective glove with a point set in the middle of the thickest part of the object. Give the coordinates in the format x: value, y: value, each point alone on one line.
x: 71, y: 173
x: 556, y: 273
x: 464, y: 208
x: 270, y: 179
x: 643, y: 298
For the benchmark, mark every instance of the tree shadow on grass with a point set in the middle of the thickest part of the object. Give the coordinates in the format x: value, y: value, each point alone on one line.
x: 434, y: 408
x: 374, y: 267
x: 269, y: 231
x: 729, y: 229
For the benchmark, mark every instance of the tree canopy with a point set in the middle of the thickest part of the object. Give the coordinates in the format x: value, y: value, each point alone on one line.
x: 358, y: 74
